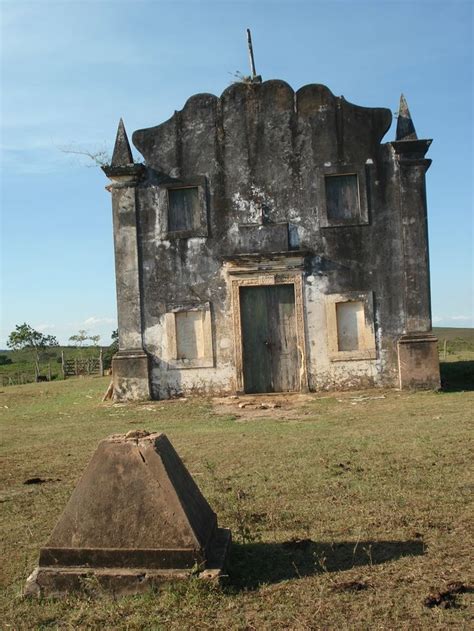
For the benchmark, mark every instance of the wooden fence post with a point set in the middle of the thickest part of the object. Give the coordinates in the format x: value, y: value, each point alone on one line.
x: 445, y: 349
x: 101, y: 364
x: 62, y: 365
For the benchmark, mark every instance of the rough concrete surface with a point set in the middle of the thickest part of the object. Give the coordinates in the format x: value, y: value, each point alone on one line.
x: 135, y: 518
x: 258, y: 158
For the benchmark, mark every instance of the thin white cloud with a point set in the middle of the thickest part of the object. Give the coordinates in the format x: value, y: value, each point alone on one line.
x: 469, y: 320
x: 45, y: 327
x: 95, y: 320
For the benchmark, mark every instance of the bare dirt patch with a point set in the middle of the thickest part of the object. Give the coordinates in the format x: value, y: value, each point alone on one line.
x: 276, y: 406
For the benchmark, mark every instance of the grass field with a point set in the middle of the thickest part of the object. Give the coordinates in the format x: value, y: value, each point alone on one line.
x: 458, y: 339
x: 23, y: 362
x: 347, y: 510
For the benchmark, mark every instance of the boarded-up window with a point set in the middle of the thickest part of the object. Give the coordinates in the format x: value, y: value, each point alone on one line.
x: 189, y: 335
x: 350, y: 325
x: 342, y: 197
x: 350, y: 322
x: 184, y: 211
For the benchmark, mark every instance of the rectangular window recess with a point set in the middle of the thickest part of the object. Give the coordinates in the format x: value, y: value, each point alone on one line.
x: 342, y: 197
x: 189, y: 338
x: 189, y: 335
x: 350, y: 326
x: 184, y: 211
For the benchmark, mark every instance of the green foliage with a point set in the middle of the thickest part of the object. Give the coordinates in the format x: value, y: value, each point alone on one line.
x: 24, y: 336
x: 111, y: 350
x: 457, y: 339
x: 79, y: 338
x: 23, y: 363
x: 4, y: 360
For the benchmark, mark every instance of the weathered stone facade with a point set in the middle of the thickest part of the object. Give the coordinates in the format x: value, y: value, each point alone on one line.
x: 270, y: 242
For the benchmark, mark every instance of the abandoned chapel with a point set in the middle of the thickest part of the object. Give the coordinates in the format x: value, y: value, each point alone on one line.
x: 270, y: 242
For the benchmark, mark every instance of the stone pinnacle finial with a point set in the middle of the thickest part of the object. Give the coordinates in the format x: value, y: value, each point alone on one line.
x: 122, y: 155
x: 405, y: 126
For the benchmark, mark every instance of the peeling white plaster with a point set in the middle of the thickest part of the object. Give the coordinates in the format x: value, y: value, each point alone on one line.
x: 303, y: 234
x: 194, y: 244
x: 153, y: 337
x: 293, y: 215
x: 251, y: 209
x: 167, y: 383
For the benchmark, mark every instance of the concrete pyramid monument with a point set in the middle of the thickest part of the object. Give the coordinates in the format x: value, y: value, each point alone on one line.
x: 135, y: 519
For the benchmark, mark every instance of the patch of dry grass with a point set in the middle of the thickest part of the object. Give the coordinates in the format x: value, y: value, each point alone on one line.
x: 347, y: 511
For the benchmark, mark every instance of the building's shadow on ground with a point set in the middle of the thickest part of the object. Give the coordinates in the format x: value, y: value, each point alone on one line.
x: 457, y: 376
x: 254, y: 564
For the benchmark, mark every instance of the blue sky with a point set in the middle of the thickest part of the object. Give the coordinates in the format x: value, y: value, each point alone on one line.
x: 70, y: 70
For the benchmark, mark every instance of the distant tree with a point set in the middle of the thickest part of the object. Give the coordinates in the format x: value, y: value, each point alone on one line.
x: 4, y: 360
x: 79, y: 338
x: 94, y: 339
x: 25, y: 337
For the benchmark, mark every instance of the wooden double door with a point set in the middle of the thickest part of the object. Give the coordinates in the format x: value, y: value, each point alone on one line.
x: 269, y: 340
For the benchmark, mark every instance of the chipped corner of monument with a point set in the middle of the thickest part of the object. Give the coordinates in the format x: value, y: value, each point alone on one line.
x: 216, y: 563
x: 32, y: 588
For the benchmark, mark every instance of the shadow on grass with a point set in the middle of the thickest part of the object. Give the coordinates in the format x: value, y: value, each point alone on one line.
x: 457, y: 376
x: 254, y: 564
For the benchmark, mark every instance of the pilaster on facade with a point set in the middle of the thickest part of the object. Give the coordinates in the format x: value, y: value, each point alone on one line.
x: 130, y: 364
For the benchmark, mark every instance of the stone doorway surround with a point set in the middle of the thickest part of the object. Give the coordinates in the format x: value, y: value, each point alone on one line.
x: 254, y: 270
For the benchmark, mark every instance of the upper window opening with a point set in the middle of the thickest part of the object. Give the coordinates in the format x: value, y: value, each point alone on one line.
x: 342, y: 196
x: 184, y: 211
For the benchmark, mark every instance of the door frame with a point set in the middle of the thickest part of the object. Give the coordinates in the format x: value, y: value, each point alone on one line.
x: 269, y: 278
